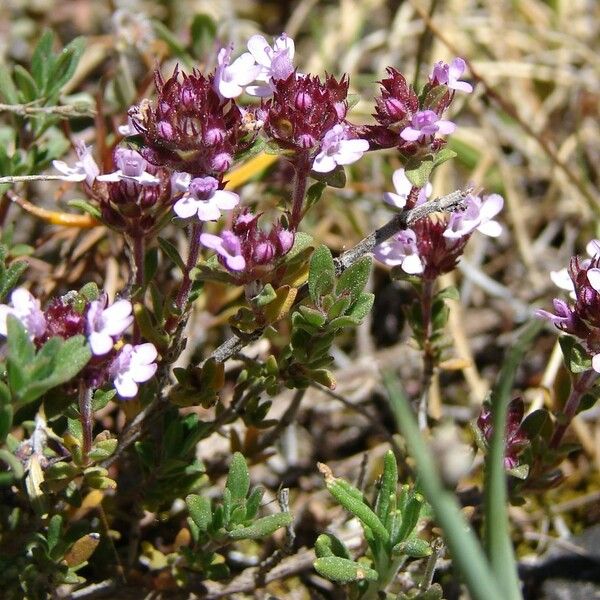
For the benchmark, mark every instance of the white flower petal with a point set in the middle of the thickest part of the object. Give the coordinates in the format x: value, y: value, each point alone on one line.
x: 208, y: 211
x: 186, y: 207
x: 258, y: 47
x: 593, y: 248
x: 208, y: 240
x: 401, y: 183
x: 593, y: 276
x: 596, y: 363
x: 141, y: 373
x: 125, y: 385
x: 412, y: 264
x: 323, y: 163
x: 144, y: 353
x: 395, y: 199
x: 491, y: 228
x: 410, y: 134
x: 100, y: 342
x: 491, y: 206
x: 562, y: 280
x: 225, y: 200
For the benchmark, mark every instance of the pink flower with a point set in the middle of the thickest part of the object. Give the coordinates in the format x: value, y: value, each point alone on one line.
x: 103, y: 324
x: 204, y: 199
x: 402, y: 188
x: 228, y: 247
x: 133, y: 365
x: 450, y: 75
x: 275, y: 62
x: 562, y: 279
x: 337, y: 149
x: 27, y: 309
x: 85, y: 168
x: 426, y: 123
x: 232, y: 77
x: 478, y: 215
x: 401, y: 250
x: 131, y: 166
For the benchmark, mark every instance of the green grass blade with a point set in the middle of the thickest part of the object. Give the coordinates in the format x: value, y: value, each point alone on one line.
x: 497, y: 538
x: 468, y: 555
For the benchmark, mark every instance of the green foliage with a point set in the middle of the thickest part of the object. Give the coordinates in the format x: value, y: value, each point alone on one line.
x: 390, y: 526
x: 31, y: 372
x: 576, y: 358
x: 216, y: 524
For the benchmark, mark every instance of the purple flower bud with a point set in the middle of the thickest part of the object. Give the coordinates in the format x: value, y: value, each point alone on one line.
x: 263, y: 253
x: 395, y: 108
x: 305, y: 140
x: 187, y: 97
x: 285, y: 239
x: 221, y: 162
x: 213, y: 136
x: 303, y: 101
x: 165, y: 130
x: 203, y: 188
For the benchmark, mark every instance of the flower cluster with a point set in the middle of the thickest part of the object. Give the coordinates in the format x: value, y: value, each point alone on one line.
x: 247, y: 250
x: 103, y: 326
x: 515, y: 440
x: 412, y: 123
x: 134, y: 198
x: 581, y: 318
x: 434, y: 245
x: 190, y: 128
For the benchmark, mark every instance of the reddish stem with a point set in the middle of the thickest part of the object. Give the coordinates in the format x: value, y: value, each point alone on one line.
x: 579, y: 389
x: 302, y: 169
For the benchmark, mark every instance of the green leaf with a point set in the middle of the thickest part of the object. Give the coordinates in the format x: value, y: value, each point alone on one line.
x: 362, y: 307
x: 26, y: 84
x: 200, y: 511
x: 313, y: 194
x: 203, y: 32
x: 443, y: 155
x: 262, y: 527
x: 238, y: 479
x: 353, y: 501
x: 321, y: 274
x: 448, y: 293
x: 53, y: 535
x: 328, y: 544
x: 8, y: 90
x: 342, y: 570
x: 86, y: 207
x: 354, y: 279
x: 253, y: 502
x: 413, y: 547
x: 10, y: 276
x: 167, y: 36
x: 335, y: 178
x: 64, y: 67
x: 42, y: 59
x: 577, y: 359
x: 419, y: 175
x: 169, y: 249
x: 389, y: 482
x: 21, y: 350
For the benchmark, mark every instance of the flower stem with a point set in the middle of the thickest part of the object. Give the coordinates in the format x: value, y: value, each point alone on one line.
x: 87, y: 418
x: 428, y: 350
x: 186, y: 283
x: 302, y: 169
x: 581, y: 385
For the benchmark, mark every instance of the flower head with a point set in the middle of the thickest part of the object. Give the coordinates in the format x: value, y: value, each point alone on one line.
x: 425, y: 124
x: 131, y: 366
x: 304, y: 109
x: 191, y: 128
x: 478, y: 215
x: 450, y: 75
x: 205, y: 200
x: 131, y: 166
x: 27, y: 309
x: 104, y: 324
x: 337, y: 149
x: 401, y: 250
x: 85, y: 169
